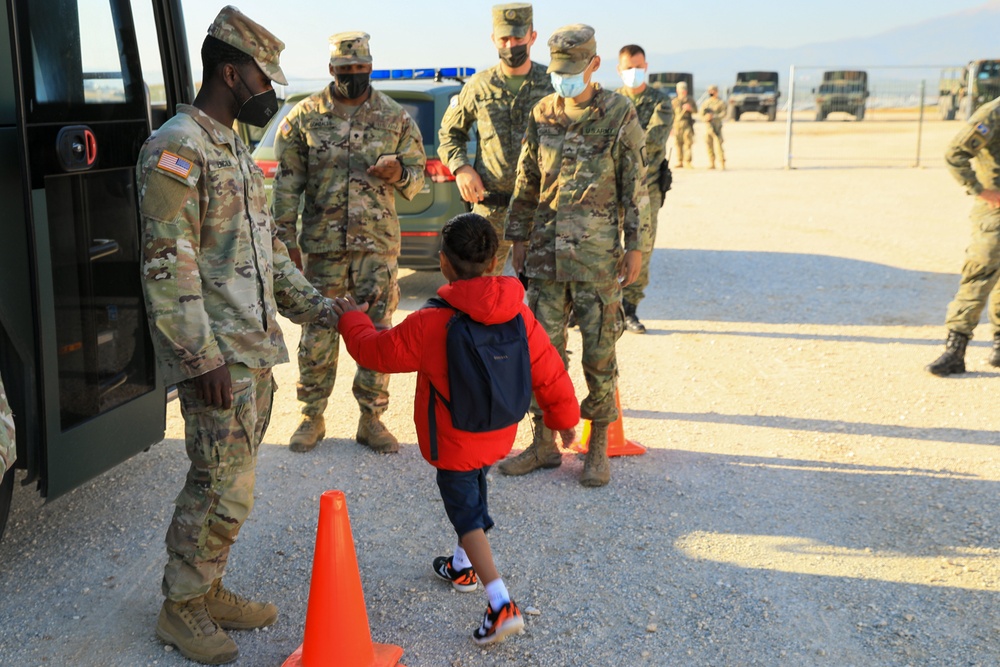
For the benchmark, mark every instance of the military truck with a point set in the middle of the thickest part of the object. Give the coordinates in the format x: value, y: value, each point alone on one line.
x: 754, y: 91
x: 842, y: 90
x: 962, y: 90
x: 667, y: 81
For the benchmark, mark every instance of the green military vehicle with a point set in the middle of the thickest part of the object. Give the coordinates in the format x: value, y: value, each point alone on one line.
x: 962, y: 90
x: 667, y: 81
x: 754, y: 91
x: 843, y: 91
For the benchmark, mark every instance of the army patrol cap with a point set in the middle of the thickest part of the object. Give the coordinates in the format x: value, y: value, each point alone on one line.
x: 572, y: 47
x: 512, y: 20
x: 682, y: 85
x: 234, y: 28
x: 712, y: 88
x: 350, y: 48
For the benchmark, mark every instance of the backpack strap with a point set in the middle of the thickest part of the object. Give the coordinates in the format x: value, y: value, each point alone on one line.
x: 436, y: 302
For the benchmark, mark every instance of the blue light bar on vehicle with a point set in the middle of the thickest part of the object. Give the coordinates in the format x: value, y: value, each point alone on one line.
x: 425, y: 73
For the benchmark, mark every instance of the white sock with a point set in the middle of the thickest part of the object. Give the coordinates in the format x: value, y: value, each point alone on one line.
x: 460, y: 560
x: 498, y: 593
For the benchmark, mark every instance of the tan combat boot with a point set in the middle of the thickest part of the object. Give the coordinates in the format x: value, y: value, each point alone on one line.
x: 373, y: 433
x: 596, y: 468
x: 541, y: 453
x: 189, y: 626
x: 310, y: 431
x: 234, y: 612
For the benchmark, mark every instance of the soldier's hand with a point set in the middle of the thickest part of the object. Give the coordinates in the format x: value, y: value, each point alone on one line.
x: 388, y: 168
x: 295, y: 255
x: 470, y: 186
x: 517, y: 254
x: 992, y: 197
x: 215, y: 388
x: 631, y: 267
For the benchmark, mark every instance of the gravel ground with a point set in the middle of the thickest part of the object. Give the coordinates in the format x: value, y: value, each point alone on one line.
x: 810, y: 496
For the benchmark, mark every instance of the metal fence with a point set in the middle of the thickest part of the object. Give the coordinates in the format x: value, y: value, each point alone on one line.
x: 889, y: 106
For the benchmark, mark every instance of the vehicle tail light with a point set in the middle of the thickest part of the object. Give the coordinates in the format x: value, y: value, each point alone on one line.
x: 438, y: 171
x: 269, y: 167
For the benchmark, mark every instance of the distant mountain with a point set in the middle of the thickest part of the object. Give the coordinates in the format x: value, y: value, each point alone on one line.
x: 953, y: 39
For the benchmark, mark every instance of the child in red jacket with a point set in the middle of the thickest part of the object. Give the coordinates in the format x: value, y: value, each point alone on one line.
x: 463, y: 458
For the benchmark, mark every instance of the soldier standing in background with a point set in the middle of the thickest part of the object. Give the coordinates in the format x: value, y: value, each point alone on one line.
x: 713, y: 111
x: 579, y: 187
x: 500, y: 99
x: 656, y: 116
x: 980, y: 273
x: 684, y: 110
x: 7, y: 450
x: 214, y: 278
x: 349, y: 149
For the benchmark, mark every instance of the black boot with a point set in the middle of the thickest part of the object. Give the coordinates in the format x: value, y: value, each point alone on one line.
x: 995, y: 355
x: 632, y: 323
x: 953, y: 359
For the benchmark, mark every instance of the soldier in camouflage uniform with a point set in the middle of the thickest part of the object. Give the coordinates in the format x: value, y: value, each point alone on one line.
x: 684, y: 110
x: 713, y: 111
x: 500, y: 100
x: 349, y: 149
x: 579, y: 187
x: 7, y: 450
x: 980, y: 140
x: 215, y: 276
x: 656, y: 115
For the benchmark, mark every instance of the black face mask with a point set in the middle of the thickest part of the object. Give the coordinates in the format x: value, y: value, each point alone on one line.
x: 257, y: 109
x: 352, y: 86
x: 515, y: 56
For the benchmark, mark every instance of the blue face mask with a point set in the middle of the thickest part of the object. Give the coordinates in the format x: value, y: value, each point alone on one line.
x: 569, y: 85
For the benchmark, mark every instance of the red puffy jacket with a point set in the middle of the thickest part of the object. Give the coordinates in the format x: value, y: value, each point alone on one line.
x: 419, y: 344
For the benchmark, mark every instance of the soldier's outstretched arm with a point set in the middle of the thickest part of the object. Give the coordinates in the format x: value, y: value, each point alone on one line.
x: 295, y: 296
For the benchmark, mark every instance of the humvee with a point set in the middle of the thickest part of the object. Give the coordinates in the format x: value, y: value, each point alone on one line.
x: 754, y: 91
x: 842, y: 90
x: 667, y: 81
x: 962, y: 90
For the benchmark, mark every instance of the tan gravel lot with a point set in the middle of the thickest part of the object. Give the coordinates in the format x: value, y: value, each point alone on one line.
x: 810, y: 495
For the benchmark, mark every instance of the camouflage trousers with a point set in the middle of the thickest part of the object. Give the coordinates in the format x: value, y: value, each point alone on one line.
x: 980, y: 274
x: 7, y: 450
x: 496, y: 216
x: 218, y: 493
x: 684, y: 138
x: 636, y: 292
x: 713, y: 142
x: 598, y: 311
x: 368, y: 277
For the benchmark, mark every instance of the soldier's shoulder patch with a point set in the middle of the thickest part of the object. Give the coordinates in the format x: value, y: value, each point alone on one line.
x: 285, y: 128
x: 983, y: 129
x: 174, y: 164
x: 453, y: 102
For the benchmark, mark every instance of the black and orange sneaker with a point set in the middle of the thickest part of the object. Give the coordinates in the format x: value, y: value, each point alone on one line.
x: 464, y: 581
x: 497, y: 625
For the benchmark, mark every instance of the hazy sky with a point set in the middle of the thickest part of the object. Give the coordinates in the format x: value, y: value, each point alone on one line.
x: 440, y: 33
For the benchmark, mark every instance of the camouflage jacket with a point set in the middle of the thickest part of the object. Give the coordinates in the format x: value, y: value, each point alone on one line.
x: 7, y: 450
x: 325, y: 154
x: 682, y: 116
x: 716, y: 107
x: 579, y: 187
x: 501, y: 116
x: 214, y: 273
x: 979, y: 139
x: 656, y: 115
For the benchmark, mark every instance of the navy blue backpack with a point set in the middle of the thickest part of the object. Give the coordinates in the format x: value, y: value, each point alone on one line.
x: 489, y: 373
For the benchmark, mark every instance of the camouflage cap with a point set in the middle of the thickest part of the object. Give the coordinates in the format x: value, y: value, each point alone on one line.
x: 350, y: 48
x: 512, y: 19
x: 572, y: 47
x: 235, y: 29
x: 712, y: 88
x: 681, y: 85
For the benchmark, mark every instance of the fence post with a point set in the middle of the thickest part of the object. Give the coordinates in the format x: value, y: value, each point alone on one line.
x: 920, y: 122
x: 788, y: 120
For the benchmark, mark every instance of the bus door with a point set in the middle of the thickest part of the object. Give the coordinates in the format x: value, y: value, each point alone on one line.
x: 84, y: 118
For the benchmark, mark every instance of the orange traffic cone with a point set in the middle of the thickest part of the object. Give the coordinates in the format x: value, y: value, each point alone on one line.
x: 337, y: 631
x: 618, y: 445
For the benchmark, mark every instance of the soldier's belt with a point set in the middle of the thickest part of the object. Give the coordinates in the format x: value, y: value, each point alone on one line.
x: 495, y: 199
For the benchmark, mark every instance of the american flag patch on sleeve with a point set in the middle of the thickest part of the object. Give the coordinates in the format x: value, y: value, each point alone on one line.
x: 174, y: 163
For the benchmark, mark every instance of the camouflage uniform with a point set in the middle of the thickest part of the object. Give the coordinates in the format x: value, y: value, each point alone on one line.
x: 656, y: 116
x: 501, y: 116
x: 980, y: 140
x: 579, y: 186
x: 713, y: 130
x: 350, y: 231
x: 215, y: 275
x: 7, y: 451
x: 684, y: 128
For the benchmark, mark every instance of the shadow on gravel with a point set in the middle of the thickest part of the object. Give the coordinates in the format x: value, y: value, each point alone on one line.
x: 824, y: 337
x: 785, y: 288
x: 957, y: 435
